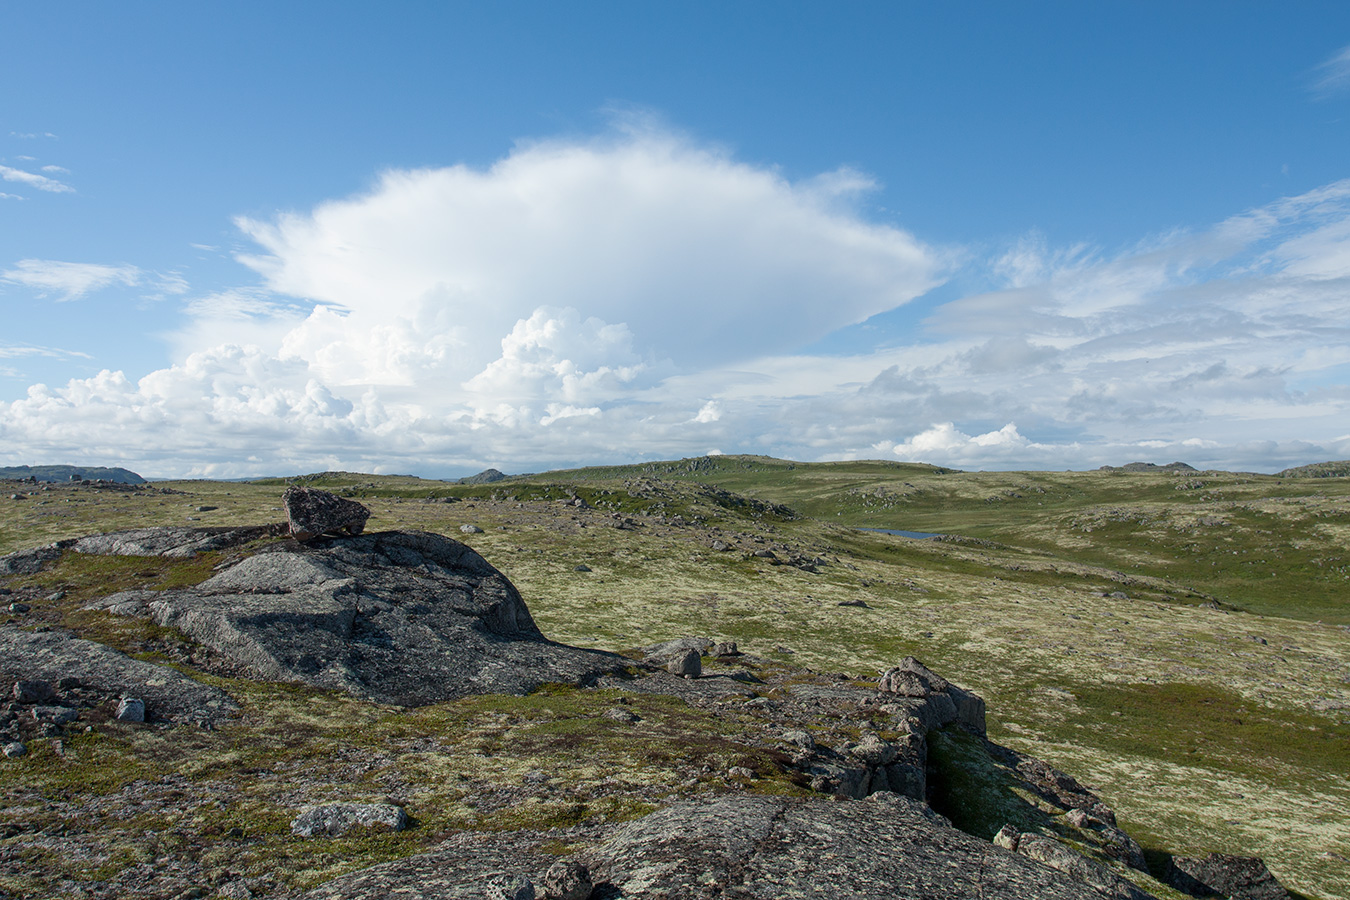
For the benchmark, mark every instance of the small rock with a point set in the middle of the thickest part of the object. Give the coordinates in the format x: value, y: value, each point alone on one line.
x: 688, y: 664
x: 34, y: 691
x: 582, y: 568
x: 470, y: 529
x: 802, y: 739
x: 207, y: 508
x: 235, y: 890
x: 15, y: 749
x: 1007, y: 838
x: 56, y: 597
x: 130, y: 709
x: 721, y: 546
x: 860, y: 603
x: 725, y: 648
x: 338, y: 818
x: 567, y: 881
x: 619, y: 714
x: 740, y: 772
x: 509, y: 887
x: 1237, y: 877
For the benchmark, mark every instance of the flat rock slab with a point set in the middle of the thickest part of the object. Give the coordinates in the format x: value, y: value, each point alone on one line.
x: 748, y: 848
x: 169, y: 695
x: 168, y: 542
x: 406, y: 618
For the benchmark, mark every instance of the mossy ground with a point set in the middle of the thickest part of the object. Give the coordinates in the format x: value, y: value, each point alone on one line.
x: 1209, y: 704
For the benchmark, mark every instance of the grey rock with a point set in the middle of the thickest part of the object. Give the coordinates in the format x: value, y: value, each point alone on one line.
x: 688, y: 664
x: 407, y: 618
x: 171, y: 543
x: 1236, y: 877
x: 567, y: 881
x: 30, y: 562
x: 619, y: 714
x: 581, y: 568
x: 312, y: 512
x: 741, y: 772
x: 470, y: 529
x: 130, y: 709
x: 1059, y: 856
x: 669, y: 649
x: 911, y: 679
x: 53, y: 655
x: 759, y: 848
x: 509, y: 887
x: 55, y: 715
x: 725, y: 648
x: 19, y: 607
x: 15, y: 749
x: 33, y: 691
x: 802, y: 739
x: 334, y: 819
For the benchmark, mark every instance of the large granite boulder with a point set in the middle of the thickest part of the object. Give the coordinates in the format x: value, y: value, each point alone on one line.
x: 407, y: 618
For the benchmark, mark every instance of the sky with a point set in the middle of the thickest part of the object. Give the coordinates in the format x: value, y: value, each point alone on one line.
x: 430, y: 238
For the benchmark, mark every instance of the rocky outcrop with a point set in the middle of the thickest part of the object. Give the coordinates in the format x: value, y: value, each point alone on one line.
x: 746, y: 847
x: 55, y: 657
x: 407, y: 618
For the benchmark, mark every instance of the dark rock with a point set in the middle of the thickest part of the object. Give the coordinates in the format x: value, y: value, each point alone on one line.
x: 855, y: 602
x: 35, y: 690
x: 397, y: 617
x: 312, y: 512
x: 19, y: 608
x: 53, y: 655
x: 30, y: 562
x: 567, y: 881
x: 725, y: 648
x: 1236, y: 877
x: 581, y: 568
x: 335, y: 819
x: 54, y: 715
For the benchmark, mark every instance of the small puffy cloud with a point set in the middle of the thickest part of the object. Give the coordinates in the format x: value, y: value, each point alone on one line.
x: 69, y: 280
x: 710, y: 412
x: 56, y: 170
x: 34, y: 180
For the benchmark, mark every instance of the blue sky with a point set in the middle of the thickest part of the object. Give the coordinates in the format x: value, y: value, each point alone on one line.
x: 268, y: 238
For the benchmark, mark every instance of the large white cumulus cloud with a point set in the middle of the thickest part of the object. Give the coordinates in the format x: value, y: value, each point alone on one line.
x: 642, y: 296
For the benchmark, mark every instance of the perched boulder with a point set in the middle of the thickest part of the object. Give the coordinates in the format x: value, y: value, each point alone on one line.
x: 130, y: 709
x: 567, y: 881
x: 687, y: 664
x: 312, y: 512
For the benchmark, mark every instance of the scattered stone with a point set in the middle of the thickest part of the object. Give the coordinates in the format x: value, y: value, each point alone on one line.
x: 334, y: 819
x: 802, y: 739
x: 619, y: 714
x: 581, y: 568
x: 567, y: 881
x: 1236, y: 877
x: 470, y: 529
x: 509, y: 887
x: 34, y: 691
x: 856, y: 602
x: 689, y: 664
x: 725, y: 648
x: 911, y: 679
x: 130, y: 709
x: 312, y: 512
x: 721, y: 546
x: 235, y: 890
x: 18, y: 607
x: 741, y: 772
x: 15, y: 749
x: 56, y: 597
x: 207, y: 508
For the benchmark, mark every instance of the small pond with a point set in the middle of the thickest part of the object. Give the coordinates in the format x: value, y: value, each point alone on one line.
x: 917, y: 535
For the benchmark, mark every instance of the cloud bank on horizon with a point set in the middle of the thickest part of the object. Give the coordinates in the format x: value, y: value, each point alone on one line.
x: 644, y: 296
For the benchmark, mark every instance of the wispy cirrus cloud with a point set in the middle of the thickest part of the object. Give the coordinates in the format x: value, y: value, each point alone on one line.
x: 69, y: 280
x: 1333, y: 75
x: 34, y: 180
x: 31, y: 135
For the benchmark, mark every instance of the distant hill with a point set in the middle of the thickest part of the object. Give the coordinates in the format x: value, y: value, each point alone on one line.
x: 1337, y: 469
x: 64, y: 473
x: 1149, y: 467
x: 487, y: 476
